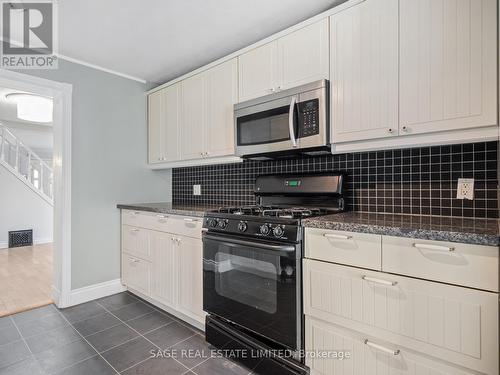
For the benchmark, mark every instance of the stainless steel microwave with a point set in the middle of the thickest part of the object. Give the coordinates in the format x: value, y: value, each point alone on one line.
x: 284, y: 123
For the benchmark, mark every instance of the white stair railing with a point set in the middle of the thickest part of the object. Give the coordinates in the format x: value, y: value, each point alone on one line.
x: 26, y: 164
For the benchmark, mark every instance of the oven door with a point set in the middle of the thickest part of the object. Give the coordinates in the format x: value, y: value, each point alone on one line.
x: 254, y: 284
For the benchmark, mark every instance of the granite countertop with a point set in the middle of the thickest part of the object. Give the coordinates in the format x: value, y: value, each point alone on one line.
x: 463, y: 230
x: 169, y: 208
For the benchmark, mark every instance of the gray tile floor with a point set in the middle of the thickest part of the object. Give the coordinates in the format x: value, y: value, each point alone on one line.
x: 112, y: 335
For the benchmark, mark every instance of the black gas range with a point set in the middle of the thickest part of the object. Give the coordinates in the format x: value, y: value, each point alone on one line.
x: 252, y: 269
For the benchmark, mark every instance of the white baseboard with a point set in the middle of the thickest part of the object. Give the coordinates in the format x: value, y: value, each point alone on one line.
x: 36, y: 241
x: 56, y: 296
x: 92, y: 292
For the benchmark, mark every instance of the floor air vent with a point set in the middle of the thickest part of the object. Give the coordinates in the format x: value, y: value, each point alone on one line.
x: 21, y: 238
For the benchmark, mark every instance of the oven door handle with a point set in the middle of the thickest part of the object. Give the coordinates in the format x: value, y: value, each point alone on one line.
x: 260, y: 245
x: 291, y: 120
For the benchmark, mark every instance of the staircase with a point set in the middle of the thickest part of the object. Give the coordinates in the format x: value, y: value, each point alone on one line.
x: 27, y: 166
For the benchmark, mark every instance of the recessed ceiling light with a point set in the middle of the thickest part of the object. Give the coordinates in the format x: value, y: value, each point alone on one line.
x: 31, y: 107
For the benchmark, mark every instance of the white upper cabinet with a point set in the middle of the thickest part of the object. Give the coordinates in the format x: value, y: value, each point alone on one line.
x: 170, y: 136
x: 364, y: 71
x: 193, y: 117
x: 303, y: 55
x: 258, y: 72
x: 163, y: 123
x: 222, y: 94
x: 295, y: 59
x: 448, y: 64
x: 155, y: 123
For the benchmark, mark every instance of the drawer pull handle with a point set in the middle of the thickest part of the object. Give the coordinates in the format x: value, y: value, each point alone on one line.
x: 188, y: 220
x: 382, y: 348
x: 134, y: 260
x: 337, y: 236
x: 379, y: 281
x: 162, y: 216
x: 433, y: 247
x: 134, y: 230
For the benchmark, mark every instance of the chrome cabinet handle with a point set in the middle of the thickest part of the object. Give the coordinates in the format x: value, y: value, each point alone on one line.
x: 379, y: 281
x: 162, y: 216
x: 433, y: 247
x: 291, y: 112
x: 337, y: 236
x: 189, y: 220
x: 382, y: 348
x: 134, y: 230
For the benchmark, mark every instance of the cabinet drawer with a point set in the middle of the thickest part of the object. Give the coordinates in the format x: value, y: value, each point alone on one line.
x: 136, y: 241
x: 185, y: 226
x: 459, y: 325
x: 136, y: 273
x: 366, y: 355
x: 474, y: 266
x: 354, y: 249
x: 148, y: 220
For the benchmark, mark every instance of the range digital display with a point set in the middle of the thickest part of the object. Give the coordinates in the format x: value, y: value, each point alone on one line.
x: 292, y: 183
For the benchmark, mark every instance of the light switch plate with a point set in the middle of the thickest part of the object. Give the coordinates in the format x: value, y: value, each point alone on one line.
x: 196, y: 189
x: 465, y: 188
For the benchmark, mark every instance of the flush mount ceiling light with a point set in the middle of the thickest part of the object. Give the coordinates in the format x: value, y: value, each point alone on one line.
x: 32, y: 107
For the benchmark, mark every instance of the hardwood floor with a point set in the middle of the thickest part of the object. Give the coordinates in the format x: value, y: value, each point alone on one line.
x: 25, y: 278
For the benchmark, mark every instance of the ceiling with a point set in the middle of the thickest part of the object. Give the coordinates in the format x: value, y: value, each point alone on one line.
x: 157, y: 40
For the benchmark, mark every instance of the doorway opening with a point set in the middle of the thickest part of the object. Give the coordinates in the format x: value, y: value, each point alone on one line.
x: 35, y: 192
x: 26, y: 198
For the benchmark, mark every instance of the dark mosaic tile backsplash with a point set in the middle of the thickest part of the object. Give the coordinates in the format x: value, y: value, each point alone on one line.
x: 407, y: 181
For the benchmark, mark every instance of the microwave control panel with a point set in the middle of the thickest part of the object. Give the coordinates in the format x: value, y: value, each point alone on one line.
x: 308, y: 112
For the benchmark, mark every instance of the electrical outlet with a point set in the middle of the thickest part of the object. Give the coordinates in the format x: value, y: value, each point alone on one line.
x: 465, y: 188
x: 196, y: 189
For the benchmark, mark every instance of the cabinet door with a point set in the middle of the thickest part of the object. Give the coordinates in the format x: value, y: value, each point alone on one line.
x: 258, y: 74
x: 156, y: 114
x: 303, y: 55
x: 170, y: 134
x: 136, y: 273
x: 136, y: 241
x: 190, y: 261
x: 364, y: 71
x: 448, y: 59
x: 222, y: 94
x: 456, y: 324
x: 367, y: 355
x: 192, y: 128
x: 164, y: 276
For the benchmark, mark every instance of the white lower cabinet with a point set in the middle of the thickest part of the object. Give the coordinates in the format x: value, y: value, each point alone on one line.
x: 136, y: 273
x: 165, y: 267
x: 455, y: 324
x: 189, y: 266
x: 367, y: 355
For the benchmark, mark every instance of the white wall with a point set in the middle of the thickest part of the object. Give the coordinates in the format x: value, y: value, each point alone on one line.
x: 22, y: 208
x: 109, y: 165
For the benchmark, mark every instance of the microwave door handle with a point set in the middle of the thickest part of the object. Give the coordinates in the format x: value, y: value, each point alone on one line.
x: 291, y: 118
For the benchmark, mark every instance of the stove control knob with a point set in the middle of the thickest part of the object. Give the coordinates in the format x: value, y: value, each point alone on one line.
x: 278, y: 231
x: 223, y: 224
x: 213, y: 222
x: 265, y: 229
x: 242, y: 226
